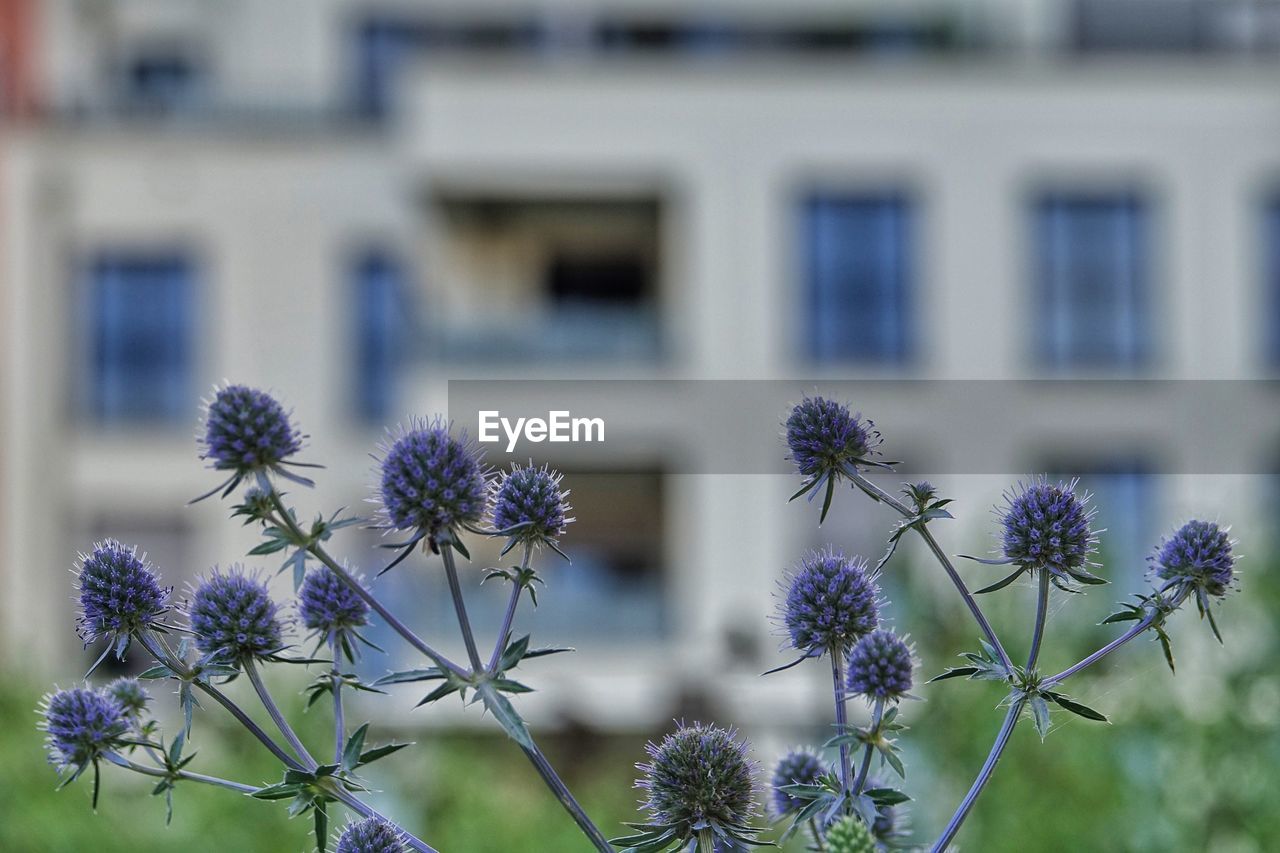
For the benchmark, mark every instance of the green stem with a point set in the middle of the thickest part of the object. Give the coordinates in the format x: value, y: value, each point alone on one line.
x: 161, y: 773
x: 877, y: 714
x: 842, y: 716
x: 255, y: 678
x: 984, y: 776
x: 339, y: 718
x: 1042, y: 614
x: 460, y: 606
x: 517, y: 586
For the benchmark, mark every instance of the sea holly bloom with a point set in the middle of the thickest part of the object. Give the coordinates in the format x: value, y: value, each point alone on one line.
x: 233, y: 617
x: 831, y: 601
x: 248, y: 432
x: 1197, y: 560
x: 1046, y: 527
x: 529, y: 506
x: 371, y: 835
x: 431, y: 483
x: 797, y: 767
x: 697, y: 779
x: 893, y: 822
x: 850, y: 835
x: 826, y: 442
x: 880, y: 667
x: 80, y: 725
x: 120, y: 595
x: 130, y: 695
x: 331, y: 609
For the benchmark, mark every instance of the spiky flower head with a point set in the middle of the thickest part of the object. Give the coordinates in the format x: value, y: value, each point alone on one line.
x: 371, y: 835
x: 824, y: 437
x: 531, y: 500
x: 327, y: 604
x: 1046, y: 527
x: 831, y: 601
x: 130, y: 695
x: 850, y: 835
x: 233, y: 617
x: 880, y: 666
x: 120, y: 593
x: 248, y: 432
x: 80, y: 724
x: 699, y: 777
x: 797, y: 767
x: 1198, y: 555
x: 432, y: 482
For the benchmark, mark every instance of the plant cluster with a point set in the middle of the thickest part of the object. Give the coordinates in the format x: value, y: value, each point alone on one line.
x: 701, y: 789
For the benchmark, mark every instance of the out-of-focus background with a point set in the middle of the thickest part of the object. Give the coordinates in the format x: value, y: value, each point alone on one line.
x: 354, y: 202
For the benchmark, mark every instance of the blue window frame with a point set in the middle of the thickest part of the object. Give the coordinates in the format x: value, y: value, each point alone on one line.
x: 858, y: 271
x: 379, y: 312
x: 1092, y: 274
x: 1271, y: 239
x: 141, y: 338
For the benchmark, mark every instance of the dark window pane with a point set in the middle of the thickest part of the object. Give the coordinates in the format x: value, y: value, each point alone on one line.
x: 858, y: 269
x: 141, y: 331
x: 380, y: 302
x: 1092, y: 270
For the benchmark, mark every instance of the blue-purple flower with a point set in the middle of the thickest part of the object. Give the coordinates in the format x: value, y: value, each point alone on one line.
x: 699, y: 776
x: 831, y: 601
x: 826, y: 442
x: 130, y: 695
x: 371, y: 835
x: 80, y: 724
x: 432, y: 482
x: 529, y: 503
x: 248, y: 432
x: 1047, y: 527
x: 1198, y: 555
x: 233, y: 617
x: 332, y: 610
x: 880, y: 667
x: 120, y: 594
x: 797, y: 767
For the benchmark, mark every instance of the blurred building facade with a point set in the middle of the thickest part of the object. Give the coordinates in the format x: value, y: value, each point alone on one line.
x: 353, y: 203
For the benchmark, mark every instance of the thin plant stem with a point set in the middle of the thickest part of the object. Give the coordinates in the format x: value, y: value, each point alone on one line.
x: 549, y: 776
x: 460, y: 607
x: 877, y: 713
x: 255, y: 678
x: 184, y: 672
x: 945, y: 561
x: 984, y: 776
x: 285, y: 520
x: 842, y: 714
x: 1042, y: 614
x: 508, y: 618
x: 339, y: 718
x: 817, y: 836
x: 1140, y: 626
x: 359, y: 807
x: 187, y: 775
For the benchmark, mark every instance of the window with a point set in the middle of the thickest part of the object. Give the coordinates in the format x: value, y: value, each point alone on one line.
x: 379, y: 311
x: 1091, y: 267
x: 1271, y: 241
x: 162, y: 82
x: 857, y: 255
x: 141, y: 338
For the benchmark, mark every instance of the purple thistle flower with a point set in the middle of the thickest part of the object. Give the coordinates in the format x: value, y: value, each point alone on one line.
x: 1046, y: 527
x: 797, y: 767
x: 371, y: 835
x: 326, y: 604
x: 531, y: 497
x: 80, y: 724
x: 130, y: 695
x: 699, y: 776
x: 892, y: 823
x: 831, y: 602
x: 432, y: 482
x: 233, y: 617
x: 824, y: 437
x: 247, y: 432
x: 1198, y: 556
x: 120, y: 594
x: 880, y: 667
